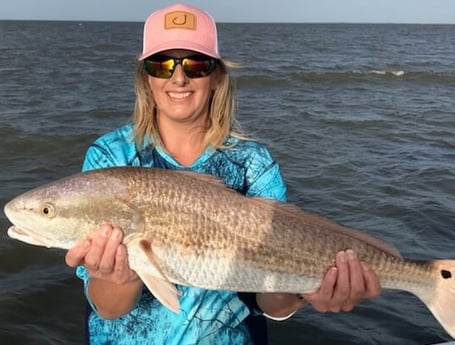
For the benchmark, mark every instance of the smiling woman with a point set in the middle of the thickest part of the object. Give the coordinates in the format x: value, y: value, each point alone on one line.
x: 184, y: 120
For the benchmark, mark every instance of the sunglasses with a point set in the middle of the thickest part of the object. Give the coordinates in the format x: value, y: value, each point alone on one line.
x: 195, y: 66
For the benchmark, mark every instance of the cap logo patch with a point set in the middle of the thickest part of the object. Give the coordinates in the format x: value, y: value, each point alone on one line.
x: 180, y: 20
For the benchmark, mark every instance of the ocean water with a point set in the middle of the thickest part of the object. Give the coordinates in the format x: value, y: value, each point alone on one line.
x: 360, y: 117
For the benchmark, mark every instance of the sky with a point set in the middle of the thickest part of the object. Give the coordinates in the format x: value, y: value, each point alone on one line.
x: 300, y: 11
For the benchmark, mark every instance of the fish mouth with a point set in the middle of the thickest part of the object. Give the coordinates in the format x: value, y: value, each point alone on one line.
x: 21, y: 232
x: 25, y: 236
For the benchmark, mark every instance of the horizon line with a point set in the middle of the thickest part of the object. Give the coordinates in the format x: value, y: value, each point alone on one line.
x: 228, y: 22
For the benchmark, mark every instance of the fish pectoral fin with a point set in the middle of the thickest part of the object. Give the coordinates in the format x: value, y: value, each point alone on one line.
x: 159, y: 285
x: 146, y: 248
x: 163, y: 290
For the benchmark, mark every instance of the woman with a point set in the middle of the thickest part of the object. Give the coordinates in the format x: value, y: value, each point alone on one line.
x: 184, y: 120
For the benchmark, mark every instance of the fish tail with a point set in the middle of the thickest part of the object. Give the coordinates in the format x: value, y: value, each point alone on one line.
x: 441, y: 301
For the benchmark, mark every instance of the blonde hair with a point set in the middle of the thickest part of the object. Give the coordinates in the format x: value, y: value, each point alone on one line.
x: 221, y: 119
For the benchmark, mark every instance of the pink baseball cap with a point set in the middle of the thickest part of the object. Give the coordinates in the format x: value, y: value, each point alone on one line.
x: 180, y: 27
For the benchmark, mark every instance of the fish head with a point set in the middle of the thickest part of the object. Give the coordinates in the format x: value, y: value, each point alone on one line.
x: 65, y: 211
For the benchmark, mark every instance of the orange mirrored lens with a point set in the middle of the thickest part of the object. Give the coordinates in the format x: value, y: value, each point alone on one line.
x: 194, y: 67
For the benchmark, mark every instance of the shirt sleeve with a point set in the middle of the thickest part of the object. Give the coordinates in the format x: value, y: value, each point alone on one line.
x: 270, y: 184
x: 98, y: 157
x: 264, y: 177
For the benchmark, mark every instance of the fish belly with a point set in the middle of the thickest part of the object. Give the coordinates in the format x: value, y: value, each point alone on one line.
x: 215, y: 271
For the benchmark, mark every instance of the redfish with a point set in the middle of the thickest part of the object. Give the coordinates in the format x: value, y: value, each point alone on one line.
x: 190, y: 229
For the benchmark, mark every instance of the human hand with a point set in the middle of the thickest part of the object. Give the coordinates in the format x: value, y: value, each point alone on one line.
x: 103, y: 255
x: 345, y: 285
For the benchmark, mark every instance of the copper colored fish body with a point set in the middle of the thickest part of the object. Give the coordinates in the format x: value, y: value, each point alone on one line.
x: 189, y: 229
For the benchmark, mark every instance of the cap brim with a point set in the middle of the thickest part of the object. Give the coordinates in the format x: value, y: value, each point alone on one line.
x: 180, y: 45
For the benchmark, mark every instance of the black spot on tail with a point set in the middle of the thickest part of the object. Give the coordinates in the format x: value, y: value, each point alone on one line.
x: 446, y: 274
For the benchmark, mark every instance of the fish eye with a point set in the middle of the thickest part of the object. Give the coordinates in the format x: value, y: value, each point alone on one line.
x: 47, y: 210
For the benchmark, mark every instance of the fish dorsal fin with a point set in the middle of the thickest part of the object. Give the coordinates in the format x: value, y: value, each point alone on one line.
x: 159, y: 285
x: 295, y: 212
x: 373, y: 241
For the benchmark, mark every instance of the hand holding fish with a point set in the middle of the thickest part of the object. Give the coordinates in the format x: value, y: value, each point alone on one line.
x: 345, y: 285
x: 105, y: 258
x: 104, y: 255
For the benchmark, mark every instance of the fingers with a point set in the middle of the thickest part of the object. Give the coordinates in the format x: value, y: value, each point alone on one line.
x: 328, y: 284
x: 335, y: 287
x: 108, y: 258
x: 321, y: 298
x: 97, y: 249
x: 122, y: 272
x: 103, y: 255
x: 364, y: 281
x: 356, y: 285
x: 75, y: 256
x: 121, y: 263
x: 372, y: 284
x: 345, y: 285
